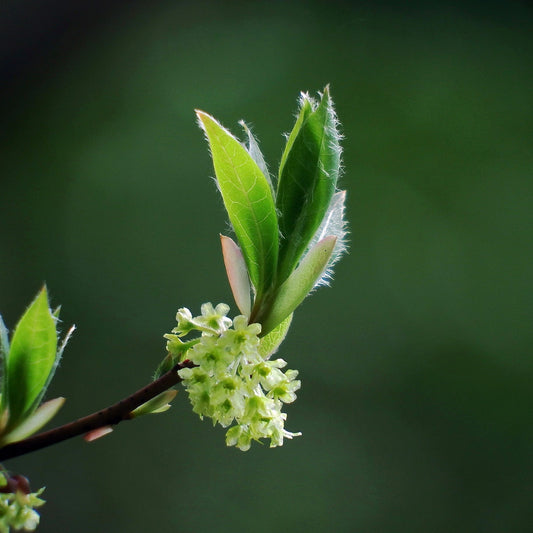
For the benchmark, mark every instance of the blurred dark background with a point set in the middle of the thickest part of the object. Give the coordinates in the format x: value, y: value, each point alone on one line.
x: 417, y: 365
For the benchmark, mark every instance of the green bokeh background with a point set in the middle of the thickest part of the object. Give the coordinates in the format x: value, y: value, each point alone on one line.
x: 417, y: 364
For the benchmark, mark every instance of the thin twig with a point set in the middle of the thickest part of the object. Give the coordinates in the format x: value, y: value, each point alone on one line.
x: 109, y: 416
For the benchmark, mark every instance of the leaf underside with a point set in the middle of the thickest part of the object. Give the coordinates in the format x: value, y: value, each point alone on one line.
x: 300, y: 283
x: 237, y: 274
x: 334, y: 225
x: 270, y: 343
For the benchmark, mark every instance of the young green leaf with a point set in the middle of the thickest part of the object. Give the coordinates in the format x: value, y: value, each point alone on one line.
x: 307, y: 179
x: 34, y: 422
x: 159, y: 404
x: 237, y: 274
x: 248, y: 201
x: 57, y: 360
x: 31, y: 357
x: 298, y: 285
x: 306, y: 108
x: 269, y: 344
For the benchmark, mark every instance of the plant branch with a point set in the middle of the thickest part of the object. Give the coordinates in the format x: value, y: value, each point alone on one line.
x: 109, y: 416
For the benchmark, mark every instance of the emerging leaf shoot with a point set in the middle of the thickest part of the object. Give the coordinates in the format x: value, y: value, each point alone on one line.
x: 289, y: 234
x: 307, y: 210
x: 30, y: 362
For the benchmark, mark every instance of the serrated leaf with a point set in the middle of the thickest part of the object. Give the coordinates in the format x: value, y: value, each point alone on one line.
x: 248, y: 201
x: 34, y: 422
x: 159, y: 404
x: 31, y: 357
x: 307, y: 179
x: 298, y: 285
x: 237, y: 274
x: 270, y: 343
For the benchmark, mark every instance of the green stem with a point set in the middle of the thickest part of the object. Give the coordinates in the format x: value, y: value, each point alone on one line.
x: 261, y: 308
x: 110, y: 416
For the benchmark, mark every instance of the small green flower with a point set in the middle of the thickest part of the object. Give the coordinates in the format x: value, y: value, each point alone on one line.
x: 285, y: 389
x: 211, y: 356
x: 214, y: 319
x: 232, y: 382
x: 243, y: 338
x: 238, y: 436
x: 18, y: 504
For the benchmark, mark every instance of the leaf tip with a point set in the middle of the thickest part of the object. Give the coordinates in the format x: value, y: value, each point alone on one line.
x: 43, y: 292
x: 200, y: 119
x: 203, y: 118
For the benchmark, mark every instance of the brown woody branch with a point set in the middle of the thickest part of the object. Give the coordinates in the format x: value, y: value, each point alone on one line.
x: 110, y: 416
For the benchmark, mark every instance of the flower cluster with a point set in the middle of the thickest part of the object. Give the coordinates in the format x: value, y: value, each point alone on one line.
x: 17, y: 504
x: 232, y: 381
